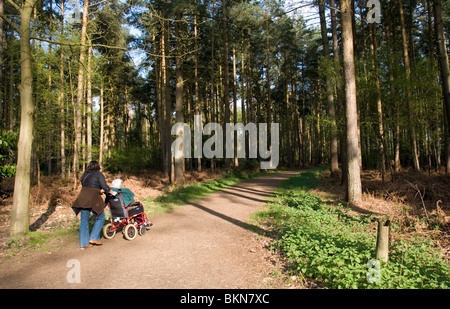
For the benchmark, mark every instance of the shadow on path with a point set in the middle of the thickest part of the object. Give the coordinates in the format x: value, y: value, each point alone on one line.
x: 250, y: 227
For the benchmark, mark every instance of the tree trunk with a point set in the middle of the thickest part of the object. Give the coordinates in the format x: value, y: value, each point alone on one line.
x: 89, y: 108
x: 334, y: 164
x: 339, y: 91
x: 19, y: 225
x: 226, y: 75
x: 167, y: 98
x: 102, y: 115
x: 380, y: 132
x: 78, y: 107
x: 412, y: 128
x: 392, y: 89
x: 197, y: 99
x: 354, y: 190
x: 382, y: 249
x: 444, y: 69
x: 1, y: 58
x: 179, y: 159
x: 61, y: 104
x: 268, y: 78
x: 236, y: 161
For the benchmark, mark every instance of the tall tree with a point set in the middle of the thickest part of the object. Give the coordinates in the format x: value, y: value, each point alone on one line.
x: 334, y: 164
x: 80, y: 96
x: 444, y: 69
x: 354, y: 189
x: 226, y: 73
x: 407, y: 63
x: 179, y: 158
x: 19, y: 224
x: 380, y: 129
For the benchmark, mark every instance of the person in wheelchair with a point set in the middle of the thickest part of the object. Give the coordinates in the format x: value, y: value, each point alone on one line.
x: 126, y: 213
x: 127, y: 194
x: 133, y: 207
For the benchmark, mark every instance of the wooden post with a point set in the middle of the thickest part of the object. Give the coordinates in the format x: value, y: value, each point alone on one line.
x: 382, y: 251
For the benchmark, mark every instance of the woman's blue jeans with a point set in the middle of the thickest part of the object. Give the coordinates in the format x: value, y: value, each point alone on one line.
x: 84, y: 226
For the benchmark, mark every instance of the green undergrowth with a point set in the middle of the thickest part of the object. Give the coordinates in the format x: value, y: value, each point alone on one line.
x: 325, y: 243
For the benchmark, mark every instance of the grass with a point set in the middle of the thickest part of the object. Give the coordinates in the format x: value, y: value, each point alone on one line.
x: 327, y: 244
x: 39, y: 241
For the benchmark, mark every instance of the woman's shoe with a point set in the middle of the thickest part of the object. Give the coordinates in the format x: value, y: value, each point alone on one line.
x: 95, y: 242
x: 85, y: 247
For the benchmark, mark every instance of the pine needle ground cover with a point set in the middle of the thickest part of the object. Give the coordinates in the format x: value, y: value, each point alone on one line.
x: 335, y: 248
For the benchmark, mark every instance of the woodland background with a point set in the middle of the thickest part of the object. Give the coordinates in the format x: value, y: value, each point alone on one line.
x: 110, y: 78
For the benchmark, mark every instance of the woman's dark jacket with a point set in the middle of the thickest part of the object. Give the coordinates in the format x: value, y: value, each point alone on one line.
x: 90, y: 195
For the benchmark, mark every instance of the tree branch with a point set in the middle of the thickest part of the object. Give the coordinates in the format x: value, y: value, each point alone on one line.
x: 9, y: 22
x: 13, y: 4
x: 106, y: 46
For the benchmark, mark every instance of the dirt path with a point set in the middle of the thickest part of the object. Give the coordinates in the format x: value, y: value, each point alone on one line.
x: 205, y: 244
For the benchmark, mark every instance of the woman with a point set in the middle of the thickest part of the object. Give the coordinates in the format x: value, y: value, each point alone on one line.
x: 90, y: 200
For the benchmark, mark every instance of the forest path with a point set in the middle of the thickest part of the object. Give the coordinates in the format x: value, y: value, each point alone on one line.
x: 204, y: 244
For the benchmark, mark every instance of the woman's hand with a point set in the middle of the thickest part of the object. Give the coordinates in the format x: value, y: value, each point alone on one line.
x: 113, y: 193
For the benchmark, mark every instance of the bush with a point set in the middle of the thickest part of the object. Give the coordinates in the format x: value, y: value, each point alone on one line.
x: 133, y: 160
x: 8, y: 147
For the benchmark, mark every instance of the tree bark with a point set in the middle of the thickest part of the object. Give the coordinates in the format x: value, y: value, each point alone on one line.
x: 167, y: 98
x: 197, y: 99
x: 444, y: 69
x: 380, y: 133
x: 102, y: 130
x: 226, y: 75
x: 62, y: 114
x: 412, y: 128
x: 392, y: 88
x: 19, y: 225
x: 79, y: 104
x: 382, y: 249
x: 89, y: 108
x: 354, y: 190
x: 1, y: 61
x: 334, y: 163
x: 179, y: 159
x: 236, y: 161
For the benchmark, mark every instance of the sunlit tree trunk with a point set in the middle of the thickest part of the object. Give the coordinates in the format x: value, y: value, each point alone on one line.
x: 79, y: 103
x: 19, y: 224
x: 179, y: 158
x: 61, y: 104
x: 89, y: 108
x: 354, y: 191
x: 102, y: 130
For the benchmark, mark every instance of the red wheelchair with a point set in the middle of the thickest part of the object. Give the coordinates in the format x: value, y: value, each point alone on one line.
x: 131, y: 219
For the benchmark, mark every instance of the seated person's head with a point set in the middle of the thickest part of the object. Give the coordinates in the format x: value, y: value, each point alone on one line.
x: 117, y: 183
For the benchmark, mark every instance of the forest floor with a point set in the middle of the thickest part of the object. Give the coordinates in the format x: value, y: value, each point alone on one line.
x: 418, y: 202
x: 208, y: 243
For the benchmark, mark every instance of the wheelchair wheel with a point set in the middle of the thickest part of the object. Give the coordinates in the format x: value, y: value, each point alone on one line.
x: 130, y: 232
x: 107, y: 232
x: 141, y: 229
